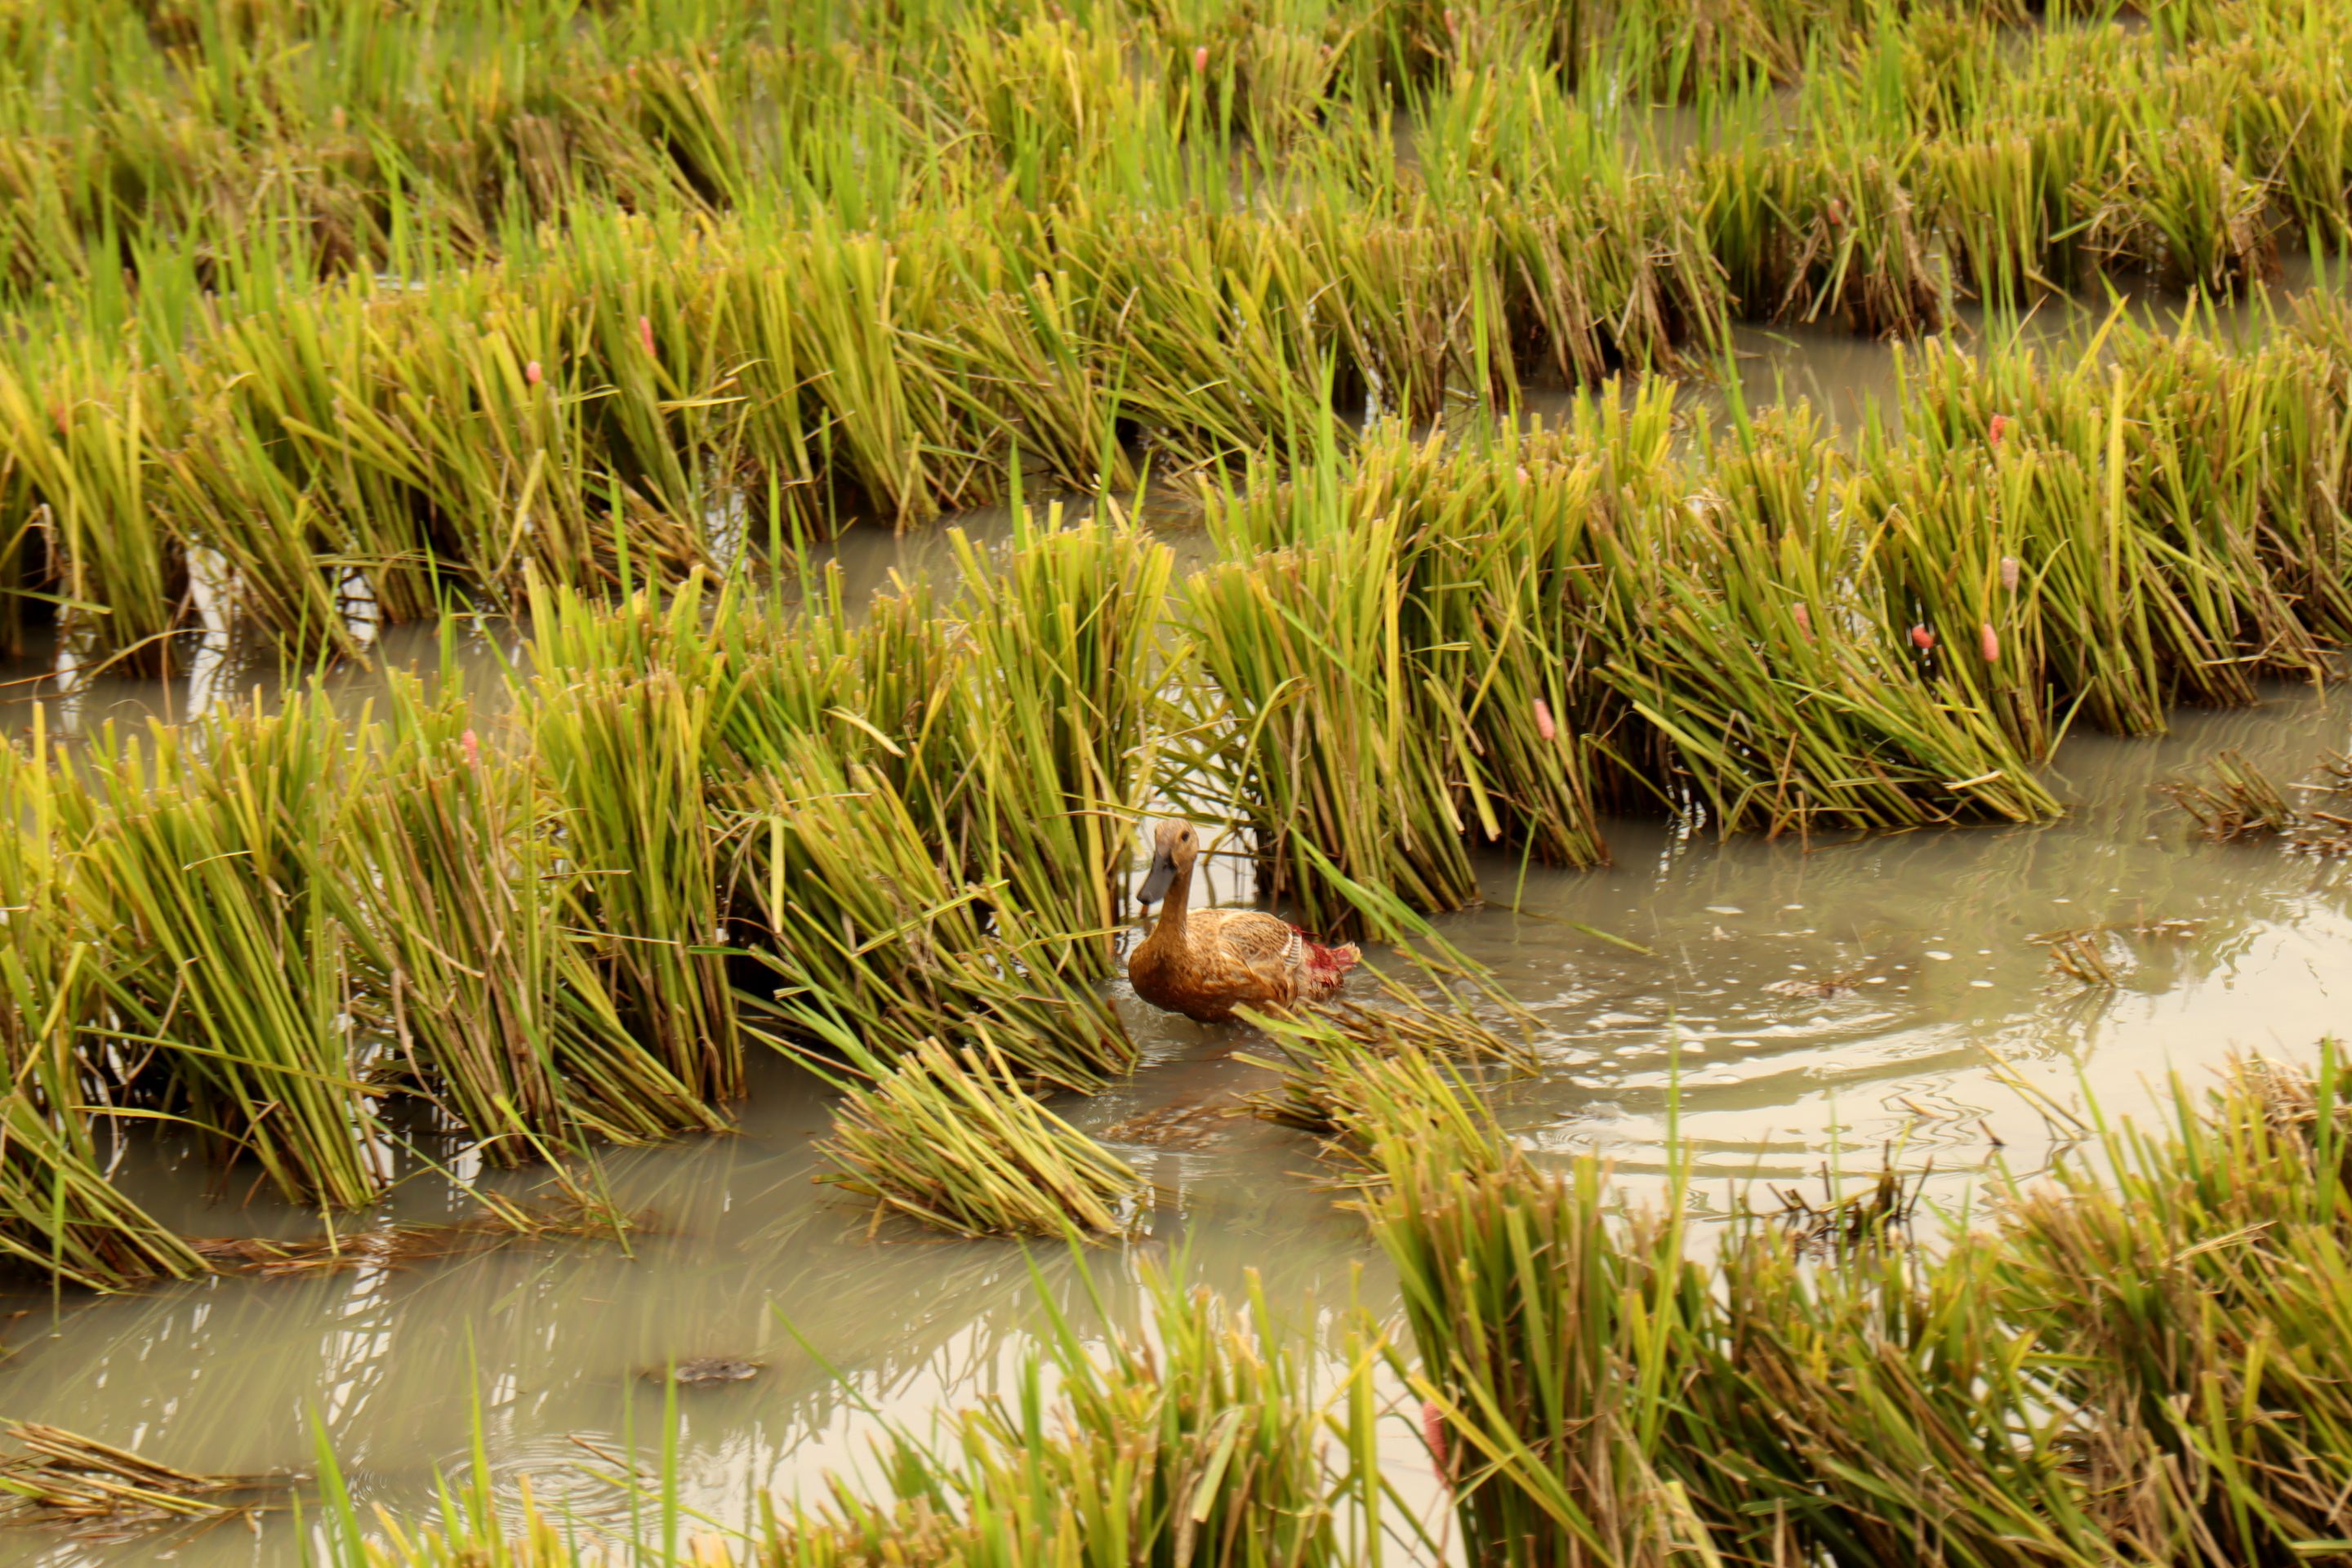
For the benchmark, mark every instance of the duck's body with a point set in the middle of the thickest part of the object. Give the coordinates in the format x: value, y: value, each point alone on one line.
x: 1205, y: 963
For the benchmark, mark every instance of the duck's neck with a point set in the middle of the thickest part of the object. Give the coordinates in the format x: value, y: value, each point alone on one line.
x: 1169, y: 928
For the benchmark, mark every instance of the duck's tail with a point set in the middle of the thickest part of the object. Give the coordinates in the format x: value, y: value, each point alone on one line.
x: 1327, y: 967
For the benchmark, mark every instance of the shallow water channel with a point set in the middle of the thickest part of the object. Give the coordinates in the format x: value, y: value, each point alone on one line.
x: 1797, y: 1004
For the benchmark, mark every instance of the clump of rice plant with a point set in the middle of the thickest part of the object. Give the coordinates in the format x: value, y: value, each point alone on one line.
x: 1047, y: 738
x: 1864, y: 1404
x: 464, y: 939
x: 1353, y: 1070
x: 2107, y: 1368
x: 1737, y: 627
x: 194, y: 869
x: 1393, y: 647
x: 621, y: 756
x: 1593, y: 1395
x: 874, y: 948
x: 2090, y: 521
x: 1528, y: 1314
x: 77, y: 440
x: 2236, y: 801
x: 1810, y: 232
x: 1878, y: 1213
x: 1402, y: 1018
x: 1366, y: 1104
x: 2180, y: 1282
x: 1307, y: 651
x: 1211, y: 1442
x: 59, y: 1212
x: 953, y: 1140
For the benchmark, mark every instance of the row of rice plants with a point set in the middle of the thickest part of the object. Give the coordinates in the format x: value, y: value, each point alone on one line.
x: 604, y: 406
x: 1490, y: 638
x: 598, y: 416
x: 867, y: 116
x: 254, y: 159
x: 705, y: 824
x: 133, y: 134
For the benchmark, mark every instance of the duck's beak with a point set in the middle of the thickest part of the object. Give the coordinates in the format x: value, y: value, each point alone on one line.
x: 1155, y: 884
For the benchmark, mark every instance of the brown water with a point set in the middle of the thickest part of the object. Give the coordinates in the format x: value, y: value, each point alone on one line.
x: 1799, y: 1005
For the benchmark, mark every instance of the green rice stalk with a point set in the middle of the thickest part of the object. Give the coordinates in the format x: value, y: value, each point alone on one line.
x: 1056, y: 696
x: 83, y: 448
x: 2188, y: 1292
x: 875, y: 949
x: 1780, y: 718
x: 1367, y: 1103
x: 1531, y: 1318
x: 1308, y: 650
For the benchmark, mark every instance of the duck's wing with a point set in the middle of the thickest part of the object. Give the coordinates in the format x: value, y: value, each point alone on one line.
x: 1251, y: 939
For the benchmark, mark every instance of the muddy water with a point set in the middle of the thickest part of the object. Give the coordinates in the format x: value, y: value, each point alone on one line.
x: 1795, y: 1005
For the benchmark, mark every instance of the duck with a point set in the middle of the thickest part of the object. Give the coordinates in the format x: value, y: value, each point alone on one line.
x: 1205, y: 963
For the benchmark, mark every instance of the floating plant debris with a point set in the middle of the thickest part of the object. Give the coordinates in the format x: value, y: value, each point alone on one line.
x: 2235, y: 801
x: 95, y: 1490
x: 1186, y: 1126
x: 1843, y: 983
x: 1880, y: 1212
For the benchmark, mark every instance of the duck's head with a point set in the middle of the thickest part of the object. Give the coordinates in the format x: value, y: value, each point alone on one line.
x: 1173, y: 847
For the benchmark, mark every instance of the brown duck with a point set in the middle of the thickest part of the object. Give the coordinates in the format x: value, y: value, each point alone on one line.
x: 1205, y: 963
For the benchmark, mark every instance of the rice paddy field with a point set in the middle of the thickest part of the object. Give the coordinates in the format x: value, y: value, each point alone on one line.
x: 598, y: 599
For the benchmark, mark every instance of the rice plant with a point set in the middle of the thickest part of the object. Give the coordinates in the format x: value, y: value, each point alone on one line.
x: 621, y: 759
x: 193, y: 868
x: 2129, y: 1358
x: 874, y: 948
x: 1363, y: 616
x: 1366, y: 1104
x: 953, y: 1140
x: 553, y: 324
x: 1735, y: 625
x: 2209, y: 1358
x: 1054, y: 708
x: 520, y: 1038
x: 1546, y: 1360
x: 58, y: 1210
